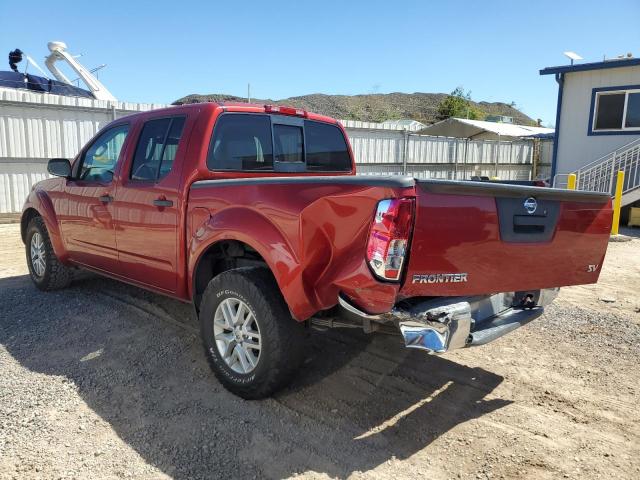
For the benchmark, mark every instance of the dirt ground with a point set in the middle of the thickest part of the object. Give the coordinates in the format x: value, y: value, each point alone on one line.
x: 104, y: 380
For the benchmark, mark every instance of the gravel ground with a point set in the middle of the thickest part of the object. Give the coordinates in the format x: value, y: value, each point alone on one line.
x: 104, y: 380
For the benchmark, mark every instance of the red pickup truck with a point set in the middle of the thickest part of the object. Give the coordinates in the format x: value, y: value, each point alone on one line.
x: 255, y: 214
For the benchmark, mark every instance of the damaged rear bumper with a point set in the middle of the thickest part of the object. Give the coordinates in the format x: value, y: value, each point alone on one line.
x: 447, y: 323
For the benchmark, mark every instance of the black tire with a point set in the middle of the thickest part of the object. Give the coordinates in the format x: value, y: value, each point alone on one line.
x: 55, y: 275
x: 281, y: 337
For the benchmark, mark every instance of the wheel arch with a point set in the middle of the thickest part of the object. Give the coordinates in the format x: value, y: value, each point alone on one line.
x: 40, y: 204
x: 221, y: 256
x: 29, y: 214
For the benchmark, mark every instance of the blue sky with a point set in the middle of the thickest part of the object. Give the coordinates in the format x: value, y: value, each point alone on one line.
x: 158, y: 51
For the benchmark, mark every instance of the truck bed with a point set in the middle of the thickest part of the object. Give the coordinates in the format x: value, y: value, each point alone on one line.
x: 468, y: 238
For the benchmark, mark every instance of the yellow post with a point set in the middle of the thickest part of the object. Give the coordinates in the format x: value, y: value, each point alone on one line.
x: 571, y: 181
x: 617, y: 203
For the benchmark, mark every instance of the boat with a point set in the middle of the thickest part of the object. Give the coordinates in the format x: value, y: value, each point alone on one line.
x: 59, y: 84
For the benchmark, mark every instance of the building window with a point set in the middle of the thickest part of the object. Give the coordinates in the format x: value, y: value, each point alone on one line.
x: 616, y: 111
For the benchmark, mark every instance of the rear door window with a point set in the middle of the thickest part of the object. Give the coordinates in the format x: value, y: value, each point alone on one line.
x: 157, y: 148
x: 241, y: 142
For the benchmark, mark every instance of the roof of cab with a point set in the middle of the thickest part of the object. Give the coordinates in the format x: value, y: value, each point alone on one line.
x: 228, y: 107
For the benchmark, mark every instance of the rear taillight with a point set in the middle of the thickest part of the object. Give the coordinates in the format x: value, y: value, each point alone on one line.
x: 389, y: 237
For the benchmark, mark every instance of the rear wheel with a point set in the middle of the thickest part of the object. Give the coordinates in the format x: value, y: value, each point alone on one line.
x: 253, y: 345
x: 46, y: 271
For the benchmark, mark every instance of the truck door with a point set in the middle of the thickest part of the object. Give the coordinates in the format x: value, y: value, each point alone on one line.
x: 87, y: 218
x: 148, y: 204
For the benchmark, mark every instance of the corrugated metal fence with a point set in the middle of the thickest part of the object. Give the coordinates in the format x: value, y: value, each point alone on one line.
x: 36, y: 127
x: 396, y: 152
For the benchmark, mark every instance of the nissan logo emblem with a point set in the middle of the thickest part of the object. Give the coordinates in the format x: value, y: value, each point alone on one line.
x: 531, y: 205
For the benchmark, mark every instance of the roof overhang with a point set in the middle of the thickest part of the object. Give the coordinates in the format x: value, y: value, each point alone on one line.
x: 583, y: 67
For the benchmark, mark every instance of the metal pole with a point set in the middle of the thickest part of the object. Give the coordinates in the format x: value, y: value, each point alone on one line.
x: 405, y: 152
x: 497, y: 154
x: 455, y: 165
x: 617, y: 203
x: 464, y: 161
x: 535, y: 157
x: 613, y: 170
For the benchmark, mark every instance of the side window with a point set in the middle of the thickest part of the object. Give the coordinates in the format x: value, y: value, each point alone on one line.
x: 99, y: 161
x: 157, y: 148
x: 326, y: 148
x: 288, y: 143
x: 241, y: 142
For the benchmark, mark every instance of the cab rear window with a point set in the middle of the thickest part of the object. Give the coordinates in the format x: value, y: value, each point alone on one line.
x: 253, y: 142
x: 241, y: 142
x: 326, y: 148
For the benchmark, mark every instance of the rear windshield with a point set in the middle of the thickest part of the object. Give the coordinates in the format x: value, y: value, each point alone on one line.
x: 326, y: 148
x: 250, y: 142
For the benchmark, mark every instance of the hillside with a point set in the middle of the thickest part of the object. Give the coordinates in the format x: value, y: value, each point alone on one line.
x: 371, y: 107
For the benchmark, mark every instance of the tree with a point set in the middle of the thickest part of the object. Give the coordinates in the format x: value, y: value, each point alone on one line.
x: 458, y: 104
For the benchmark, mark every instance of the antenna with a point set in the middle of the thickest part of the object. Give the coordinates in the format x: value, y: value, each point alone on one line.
x: 572, y: 55
x: 93, y: 70
x: 248, y: 93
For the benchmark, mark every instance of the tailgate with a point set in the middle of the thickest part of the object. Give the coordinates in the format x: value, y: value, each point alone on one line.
x: 474, y: 238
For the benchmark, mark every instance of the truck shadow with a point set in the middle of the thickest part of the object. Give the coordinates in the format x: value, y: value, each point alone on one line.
x: 359, y: 402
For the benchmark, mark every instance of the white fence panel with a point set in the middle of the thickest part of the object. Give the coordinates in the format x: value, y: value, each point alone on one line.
x: 36, y: 127
x: 16, y: 180
x: 423, y: 149
x: 376, y: 146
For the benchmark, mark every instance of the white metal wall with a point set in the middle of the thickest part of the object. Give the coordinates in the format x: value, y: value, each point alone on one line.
x: 36, y: 127
x: 385, y: 152
x: 546, y: 156
x: 16, y: 181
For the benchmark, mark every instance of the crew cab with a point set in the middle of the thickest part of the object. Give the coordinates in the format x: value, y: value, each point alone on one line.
x: 255, y: 214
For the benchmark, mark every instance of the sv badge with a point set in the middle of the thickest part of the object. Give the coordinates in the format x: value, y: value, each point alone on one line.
x: 592, y: 268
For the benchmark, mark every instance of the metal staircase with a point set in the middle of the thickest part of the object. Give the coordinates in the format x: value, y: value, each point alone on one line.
x: 600, y: 175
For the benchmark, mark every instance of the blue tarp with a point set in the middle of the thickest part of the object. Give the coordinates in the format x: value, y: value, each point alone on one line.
x: 41, y: 84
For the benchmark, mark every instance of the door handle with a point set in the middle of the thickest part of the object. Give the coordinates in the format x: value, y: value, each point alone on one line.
x: 163, y: 202
x: 106, y: 198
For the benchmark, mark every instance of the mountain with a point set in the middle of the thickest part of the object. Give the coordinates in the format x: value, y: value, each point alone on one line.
x: 375, y: 107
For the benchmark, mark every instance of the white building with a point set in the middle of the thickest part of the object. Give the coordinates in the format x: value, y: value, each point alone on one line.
x: 598, y: 124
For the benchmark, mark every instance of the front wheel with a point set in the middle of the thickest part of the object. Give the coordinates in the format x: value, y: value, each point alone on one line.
x: 253, y: 345
x: 45, y: 269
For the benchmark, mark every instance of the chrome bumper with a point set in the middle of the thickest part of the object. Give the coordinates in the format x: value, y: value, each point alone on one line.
x: 447, y: 323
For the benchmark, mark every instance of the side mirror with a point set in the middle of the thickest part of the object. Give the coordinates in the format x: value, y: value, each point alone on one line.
x: 59, y: 167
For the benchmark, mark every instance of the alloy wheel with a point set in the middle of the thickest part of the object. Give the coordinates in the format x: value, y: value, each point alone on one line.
x: 237, y: 335
x: 38, y: 260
